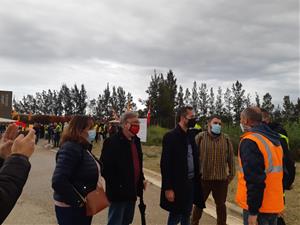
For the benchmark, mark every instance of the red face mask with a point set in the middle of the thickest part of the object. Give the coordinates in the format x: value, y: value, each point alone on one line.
x: 134, y: 129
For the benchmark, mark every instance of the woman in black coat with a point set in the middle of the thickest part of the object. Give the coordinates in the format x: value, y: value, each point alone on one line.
x: 76, y: 173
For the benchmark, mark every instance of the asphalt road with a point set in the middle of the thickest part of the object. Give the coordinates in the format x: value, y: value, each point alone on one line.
x: 35, y: 205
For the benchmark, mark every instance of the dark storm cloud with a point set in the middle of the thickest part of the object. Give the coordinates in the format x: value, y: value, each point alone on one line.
x: 200, y: 40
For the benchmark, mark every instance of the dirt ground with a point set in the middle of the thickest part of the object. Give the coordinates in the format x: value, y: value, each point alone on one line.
x: 292, y: 216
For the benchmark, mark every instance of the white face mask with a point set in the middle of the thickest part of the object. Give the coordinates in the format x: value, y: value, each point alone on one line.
x: 244, y: 128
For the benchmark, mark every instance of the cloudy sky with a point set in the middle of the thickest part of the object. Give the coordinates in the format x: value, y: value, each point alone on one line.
x: 46, y: 43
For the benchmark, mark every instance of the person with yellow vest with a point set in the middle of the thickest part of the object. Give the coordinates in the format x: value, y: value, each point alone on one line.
x: 259, y: 189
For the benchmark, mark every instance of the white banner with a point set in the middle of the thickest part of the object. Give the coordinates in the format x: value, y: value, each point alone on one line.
x: 142, y: 134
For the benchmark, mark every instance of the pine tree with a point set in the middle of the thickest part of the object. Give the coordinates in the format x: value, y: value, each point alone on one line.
x: 83, y: 100
x: 179, y: 99
x: 100, y: 108
x: 203, y: 100
x: 288, y: 108
x: 228, y: 106
x: 187, y: 97
x: 267, y: 103
x: 121, y: 96
x: 114, y: 100
x: 153, y: 92
x: 277, y: 114
x: 212, y: 108
x: 238, y: 100
x: 106, y: 101
x: 195, y: 98
x: 257, y: 100
x: 219, y: 103
x: 248, y: 100
x: 66, y: 99
x: 130, y: 105
x: 17, y: 106
x: 58, y: 108
x: 297, y: 110
x: 171, y: 83
x: 92, y: 107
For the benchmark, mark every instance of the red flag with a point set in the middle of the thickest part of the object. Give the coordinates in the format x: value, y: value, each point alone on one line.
x: 20, y: 124
x: 148, y: 117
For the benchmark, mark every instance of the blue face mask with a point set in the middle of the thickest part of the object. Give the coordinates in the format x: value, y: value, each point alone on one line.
x: 91, y: 135
x: 216, y: 128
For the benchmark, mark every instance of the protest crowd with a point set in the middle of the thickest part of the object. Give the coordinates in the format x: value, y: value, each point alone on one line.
x: 194, y: 164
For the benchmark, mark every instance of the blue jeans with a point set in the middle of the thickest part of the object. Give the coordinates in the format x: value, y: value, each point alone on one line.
x: 72, y: 216
x: 262, y: 218
x: 184, y: 218
x: 121, y: 213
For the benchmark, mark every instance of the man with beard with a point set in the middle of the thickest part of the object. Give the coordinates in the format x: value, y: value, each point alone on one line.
x: 180, y: 170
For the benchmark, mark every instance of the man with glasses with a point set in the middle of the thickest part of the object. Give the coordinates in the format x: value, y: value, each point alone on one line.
x: 217, y: 167
x: 180, y: 170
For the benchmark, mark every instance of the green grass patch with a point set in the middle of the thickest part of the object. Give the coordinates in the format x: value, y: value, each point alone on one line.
x: 155, y: 135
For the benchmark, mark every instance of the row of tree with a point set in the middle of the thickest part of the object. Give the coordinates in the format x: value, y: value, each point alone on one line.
x: 66, y: 101
x: 74, y: 101
x: 164, y: 99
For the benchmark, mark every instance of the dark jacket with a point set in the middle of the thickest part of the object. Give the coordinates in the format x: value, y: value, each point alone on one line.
x: 75, y: 168
x: 254, y: 167
x: 289, y: 162
x: 13, y: 175
x: 174, y: 170
x: 118, y: 169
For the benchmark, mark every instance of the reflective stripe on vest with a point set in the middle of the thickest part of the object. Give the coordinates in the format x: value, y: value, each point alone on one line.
x: 273, y: 192
x: 271, y: 168
x: 285, y: 138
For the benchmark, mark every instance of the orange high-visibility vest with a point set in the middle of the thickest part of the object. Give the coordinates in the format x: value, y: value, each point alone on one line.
x: 273, y: 193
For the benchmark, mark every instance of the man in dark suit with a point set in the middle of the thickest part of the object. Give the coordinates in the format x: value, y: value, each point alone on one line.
x: 122, y: 160
x: 181, y: 186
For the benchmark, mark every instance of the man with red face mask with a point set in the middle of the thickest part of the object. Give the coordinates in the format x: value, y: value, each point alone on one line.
x: 122, y: 160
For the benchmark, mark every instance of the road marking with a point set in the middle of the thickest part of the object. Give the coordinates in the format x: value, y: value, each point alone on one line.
x: 210, y: 208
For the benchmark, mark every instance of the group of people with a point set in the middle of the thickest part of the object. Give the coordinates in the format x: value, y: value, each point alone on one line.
x: 193, y: 165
